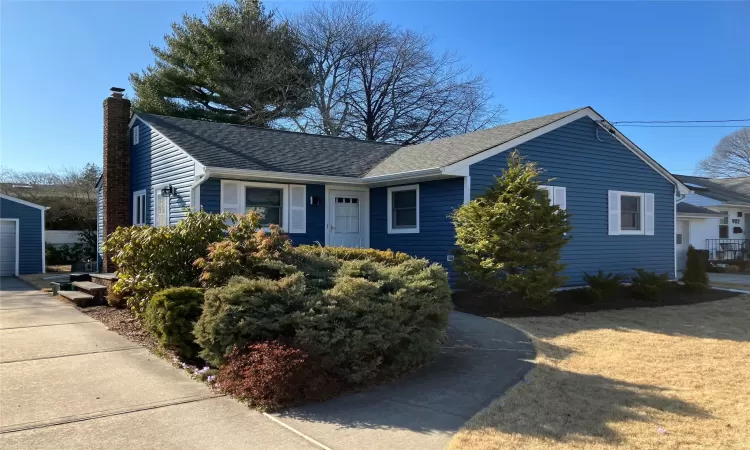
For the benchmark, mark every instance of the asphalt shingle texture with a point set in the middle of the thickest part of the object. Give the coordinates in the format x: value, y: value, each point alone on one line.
x: 443, y: 152
x: 727, y: 190
x: 225, y: 145
x: 687, y: 208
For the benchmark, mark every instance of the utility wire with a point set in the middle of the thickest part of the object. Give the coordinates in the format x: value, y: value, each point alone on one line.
x: 680, y: 126
x: 681, y: 121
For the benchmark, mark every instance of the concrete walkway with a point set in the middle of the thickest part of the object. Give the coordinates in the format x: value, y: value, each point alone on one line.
x: 730, y: 280
x: 68, y: 382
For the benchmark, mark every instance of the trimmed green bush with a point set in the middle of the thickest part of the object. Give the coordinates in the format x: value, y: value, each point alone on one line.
x: 648, y: 285
x: 387, y: 257
x: 171, y: 315
x: 246, y: 311
x: 375, y: 320
x: 602, y: 286
x: 510, y: 238
x: 695, y: 276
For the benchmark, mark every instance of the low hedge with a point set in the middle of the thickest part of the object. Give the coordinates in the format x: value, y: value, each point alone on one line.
x: 171, y: 315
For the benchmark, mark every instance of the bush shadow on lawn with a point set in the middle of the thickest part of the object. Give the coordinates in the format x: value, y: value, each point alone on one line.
x: 591, y: 404
x: 678, y: 312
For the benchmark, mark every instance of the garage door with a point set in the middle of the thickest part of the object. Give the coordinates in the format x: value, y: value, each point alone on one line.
x: 7, y: 248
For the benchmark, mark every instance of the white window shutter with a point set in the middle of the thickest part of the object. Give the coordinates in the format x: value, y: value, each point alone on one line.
x: 560, y: 198
x: 614, y: 213
x: 297, y: 208
x: 230, y: 196
x: 649, y: 207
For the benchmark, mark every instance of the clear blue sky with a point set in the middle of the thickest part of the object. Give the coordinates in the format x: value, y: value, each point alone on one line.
x: 630, y: 61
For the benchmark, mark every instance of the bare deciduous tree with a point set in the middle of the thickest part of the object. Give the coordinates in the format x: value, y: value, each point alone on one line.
x: 378, y: 82
x: 731, y: 156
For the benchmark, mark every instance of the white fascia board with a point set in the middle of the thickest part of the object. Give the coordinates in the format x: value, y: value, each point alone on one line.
x: 586, y: 112
x: 24, y: 202
x: 241, y: 174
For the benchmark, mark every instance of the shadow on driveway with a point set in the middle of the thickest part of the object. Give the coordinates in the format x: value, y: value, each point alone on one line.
x: 479, y: 361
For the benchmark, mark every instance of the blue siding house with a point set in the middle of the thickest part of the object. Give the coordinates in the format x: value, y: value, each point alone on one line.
x: 346, y: 192
x: 21, y: 237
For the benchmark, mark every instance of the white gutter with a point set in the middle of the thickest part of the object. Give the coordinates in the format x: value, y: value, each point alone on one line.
x: 324, y: 179
x: 195, y: 191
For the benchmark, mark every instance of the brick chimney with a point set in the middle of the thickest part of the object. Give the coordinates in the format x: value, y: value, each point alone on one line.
x: 116, y: 167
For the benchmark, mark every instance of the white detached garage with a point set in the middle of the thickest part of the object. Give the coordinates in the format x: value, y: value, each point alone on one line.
x: 21, y: 237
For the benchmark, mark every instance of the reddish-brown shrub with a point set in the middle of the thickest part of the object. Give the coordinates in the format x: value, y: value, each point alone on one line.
x: 271, y: 375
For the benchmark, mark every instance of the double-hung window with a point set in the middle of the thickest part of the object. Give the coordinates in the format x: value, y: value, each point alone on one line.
x: 139, y: 207
x: 403, y: 209
x: 266, y: 201
x: 631, y: 213
x: 724, y: 225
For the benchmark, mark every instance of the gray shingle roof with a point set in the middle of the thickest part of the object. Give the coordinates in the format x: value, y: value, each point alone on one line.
x: 687, y: 208
x: 727, y: 190
x: 225, y: 145
x: 443, y: 152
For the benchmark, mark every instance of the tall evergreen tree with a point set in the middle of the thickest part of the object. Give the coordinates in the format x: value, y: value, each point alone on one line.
x: 237, y: 64
x: 510, y: 238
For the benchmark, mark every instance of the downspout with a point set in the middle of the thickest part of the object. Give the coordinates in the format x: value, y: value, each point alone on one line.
x: 195, y: 192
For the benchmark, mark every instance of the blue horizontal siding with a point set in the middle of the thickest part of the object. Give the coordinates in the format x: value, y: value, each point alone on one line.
x: 155, y: 161
x: 574, y: 156
x: 210, y: 200
x: 30, y: 225
x: 436, y: 238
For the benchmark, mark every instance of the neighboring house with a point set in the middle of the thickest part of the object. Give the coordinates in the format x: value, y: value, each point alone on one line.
x: 723, y: 225
x: 21, y: 237
x: 336, y: 191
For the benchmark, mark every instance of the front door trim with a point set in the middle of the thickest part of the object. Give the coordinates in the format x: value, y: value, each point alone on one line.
x: 365, y: 206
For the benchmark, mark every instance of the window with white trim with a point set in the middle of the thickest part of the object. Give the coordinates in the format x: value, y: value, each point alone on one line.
x: 136, y: 131
x: 631, y: 213
x: 557, y: 195
x: 403, y: 209
x: 266, y: 201
x: 724, y: 225
x: 281, y: 204
x: 139, y: 207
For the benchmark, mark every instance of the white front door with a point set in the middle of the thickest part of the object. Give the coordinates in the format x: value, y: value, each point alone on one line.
x: 682, y: 241
x: 346, y: 219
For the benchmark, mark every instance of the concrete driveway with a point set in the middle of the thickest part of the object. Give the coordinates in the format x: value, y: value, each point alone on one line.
x: 68, y: 382
x: 730, y: 280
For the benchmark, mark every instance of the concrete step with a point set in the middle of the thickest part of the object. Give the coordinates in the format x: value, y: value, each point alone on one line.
x: 79, y: 298
x: 89, y: 287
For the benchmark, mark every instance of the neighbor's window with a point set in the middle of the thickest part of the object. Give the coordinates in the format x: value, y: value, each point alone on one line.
x: 267, y: 201
x: 630, y: 213
x: 403, y: 209
x: 139, y: 208
x: 724, y: 225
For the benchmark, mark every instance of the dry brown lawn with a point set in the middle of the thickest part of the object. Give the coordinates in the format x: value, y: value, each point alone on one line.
x: 651, y: 378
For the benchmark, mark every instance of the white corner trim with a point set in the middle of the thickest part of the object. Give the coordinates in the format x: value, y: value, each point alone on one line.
x: 44, y: 246
x: 467, y: 189
x: 23, y: 202
x: 674, y: 237
x: 390, y: 191
x: 586, y: 112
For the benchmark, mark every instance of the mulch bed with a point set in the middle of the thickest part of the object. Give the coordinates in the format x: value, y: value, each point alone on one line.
x: 573, y: 301
x: 122, y: 322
